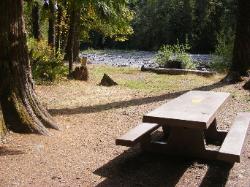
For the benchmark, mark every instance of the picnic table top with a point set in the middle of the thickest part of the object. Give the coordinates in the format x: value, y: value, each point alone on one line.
x: 194, y: 109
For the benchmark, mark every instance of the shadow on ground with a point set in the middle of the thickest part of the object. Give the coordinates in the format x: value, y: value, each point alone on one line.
x: 135, y: 168
x: 124, y: 104
x: 4, y: 151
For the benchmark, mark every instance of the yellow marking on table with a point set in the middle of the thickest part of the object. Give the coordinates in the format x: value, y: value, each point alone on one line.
x: 196, y: 101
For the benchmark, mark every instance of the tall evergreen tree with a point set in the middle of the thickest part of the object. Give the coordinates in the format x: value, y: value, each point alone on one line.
x: 36, y: 21
x: 73, y: 38
x: 241, y: 52
x: 52, y: 20
x: 20, y: 107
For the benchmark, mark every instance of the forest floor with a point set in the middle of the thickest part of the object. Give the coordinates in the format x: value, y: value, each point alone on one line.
x: 91, y: 117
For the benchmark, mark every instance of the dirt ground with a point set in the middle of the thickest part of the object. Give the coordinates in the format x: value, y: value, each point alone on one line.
x: 83, y: 152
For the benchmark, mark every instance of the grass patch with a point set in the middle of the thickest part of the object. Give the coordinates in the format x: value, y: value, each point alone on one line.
x: 133, y: 78
x: 98, y: 70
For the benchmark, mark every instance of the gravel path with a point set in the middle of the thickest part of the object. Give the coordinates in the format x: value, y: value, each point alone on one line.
x: 84, y: 153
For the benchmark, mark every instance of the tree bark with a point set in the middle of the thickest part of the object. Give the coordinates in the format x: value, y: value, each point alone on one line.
x: 58, y: 28
x: 73, y: 41
x: 241, y: 53
x: 35, y: 21
x: 21, y: 110
x: 51, y: 30
x: 246, y: 86
x: 2, y: 124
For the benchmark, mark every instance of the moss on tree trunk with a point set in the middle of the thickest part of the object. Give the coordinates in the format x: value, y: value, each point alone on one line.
x: 2, y: 125
x: 21, y: 110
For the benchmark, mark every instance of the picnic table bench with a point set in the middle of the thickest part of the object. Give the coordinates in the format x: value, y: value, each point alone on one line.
x: 190, y: 128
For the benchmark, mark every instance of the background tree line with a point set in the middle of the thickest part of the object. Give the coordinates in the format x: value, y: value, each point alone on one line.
x: 159, y: 22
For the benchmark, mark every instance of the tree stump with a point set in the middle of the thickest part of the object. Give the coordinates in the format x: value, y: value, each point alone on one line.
x: 80, y: 73
x: 246, y: 86
x: 232, y: 78
x: 83, y: 61
x: 107, y: 81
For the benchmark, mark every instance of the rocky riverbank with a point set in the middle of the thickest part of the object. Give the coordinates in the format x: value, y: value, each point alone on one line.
x: 122, y: 58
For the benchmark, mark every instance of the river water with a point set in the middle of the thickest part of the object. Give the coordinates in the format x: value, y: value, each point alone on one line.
x: 122, y: 58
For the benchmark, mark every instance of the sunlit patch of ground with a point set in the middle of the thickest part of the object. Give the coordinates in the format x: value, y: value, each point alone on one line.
x: 83, y: 152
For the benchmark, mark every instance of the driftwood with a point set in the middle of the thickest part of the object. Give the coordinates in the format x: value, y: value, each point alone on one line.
x: 173, y: 71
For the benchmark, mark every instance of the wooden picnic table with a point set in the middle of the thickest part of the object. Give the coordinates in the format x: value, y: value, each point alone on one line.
x: 188, y: 121
x: 194, y: 109
x: 190, y: 128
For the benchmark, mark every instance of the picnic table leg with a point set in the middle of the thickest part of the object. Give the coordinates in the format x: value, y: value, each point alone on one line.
x: 166, y: 131
x: 213, y: 135
x: 184, y: 140
x: 145, y: 141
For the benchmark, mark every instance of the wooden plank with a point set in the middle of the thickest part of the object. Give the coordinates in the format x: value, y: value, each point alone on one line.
x: 231, y: 148
x: 194, y: 109
x: 136, y: 134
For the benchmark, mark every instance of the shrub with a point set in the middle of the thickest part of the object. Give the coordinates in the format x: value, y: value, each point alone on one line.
x: 46, y: 64
x: 187, y: 62
x: 222, y: 59
x: 173, y: 53
x: 164, y: 54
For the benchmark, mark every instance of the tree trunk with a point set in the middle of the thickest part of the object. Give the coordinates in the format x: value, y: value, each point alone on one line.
x: 246, y: 86
x: 70, y: 42
x: 21, y: 110
x: 76, y: 47
x: 35, y: 21
x: 2, y: 124
x: 58, y: 28
x: 72, y: 48
x: 51, y: 30
x: 241, y: 53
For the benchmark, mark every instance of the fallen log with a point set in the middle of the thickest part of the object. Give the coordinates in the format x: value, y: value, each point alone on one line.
x: 173, y: 71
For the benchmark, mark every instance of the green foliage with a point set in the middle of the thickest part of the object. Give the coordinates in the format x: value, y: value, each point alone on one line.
x: 187, y: 62
x: 113, y: 19
x: 28, y: 17
x: 164, y: 54
x: 107, y: 17
x: 222, y: 58
x: 160, y: 22
x: 46, y: 64
x: 178, y: 52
